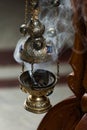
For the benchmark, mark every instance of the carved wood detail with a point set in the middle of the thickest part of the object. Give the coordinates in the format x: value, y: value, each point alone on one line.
x: 71, y: 114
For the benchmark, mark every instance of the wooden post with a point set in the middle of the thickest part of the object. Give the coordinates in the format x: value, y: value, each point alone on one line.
x: 71, y: 114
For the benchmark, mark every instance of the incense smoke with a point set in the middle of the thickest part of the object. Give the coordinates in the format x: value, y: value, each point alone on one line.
x: 60, y: 20
x: 59, y: 31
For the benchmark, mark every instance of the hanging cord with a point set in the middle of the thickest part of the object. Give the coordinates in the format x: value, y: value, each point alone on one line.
x: 25, y: 22
x: 58, y: 75
x: 22, y: 67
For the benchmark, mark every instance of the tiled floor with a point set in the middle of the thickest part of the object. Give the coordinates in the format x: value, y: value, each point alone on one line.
x: 12, y: 114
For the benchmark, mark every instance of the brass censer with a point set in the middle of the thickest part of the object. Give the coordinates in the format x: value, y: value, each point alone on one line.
x: 33, y: 49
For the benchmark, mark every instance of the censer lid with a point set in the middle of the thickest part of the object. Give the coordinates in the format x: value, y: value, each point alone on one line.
x: 35, y: 51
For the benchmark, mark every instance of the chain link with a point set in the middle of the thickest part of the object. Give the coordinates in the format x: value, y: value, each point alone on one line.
x: 26, y: 12
x: 23, y: 67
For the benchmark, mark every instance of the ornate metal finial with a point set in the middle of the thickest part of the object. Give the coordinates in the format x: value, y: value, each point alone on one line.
x: 38, y: 83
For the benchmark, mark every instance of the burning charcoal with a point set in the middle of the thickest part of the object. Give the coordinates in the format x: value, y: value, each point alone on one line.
x: 41, y: 77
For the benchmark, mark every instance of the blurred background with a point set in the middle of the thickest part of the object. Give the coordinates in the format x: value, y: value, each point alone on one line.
x: 12, y: 114
x: 11, y: 17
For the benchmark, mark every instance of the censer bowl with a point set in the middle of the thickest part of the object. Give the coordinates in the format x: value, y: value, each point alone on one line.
x: 39, y: 85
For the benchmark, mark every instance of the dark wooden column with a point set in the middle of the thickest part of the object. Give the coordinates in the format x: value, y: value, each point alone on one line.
x: 71, y: 114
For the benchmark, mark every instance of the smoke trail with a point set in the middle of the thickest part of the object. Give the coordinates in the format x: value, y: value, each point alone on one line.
x: 20, y: 45
x: 58, y: 28
x: 60, y: 20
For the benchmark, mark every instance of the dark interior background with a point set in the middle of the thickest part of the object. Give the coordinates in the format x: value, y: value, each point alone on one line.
x: 11, y: 17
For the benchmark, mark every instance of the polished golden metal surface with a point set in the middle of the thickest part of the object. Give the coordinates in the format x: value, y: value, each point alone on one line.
x: 37, y: 104
x: 37, y: 101
x: 35, y: 49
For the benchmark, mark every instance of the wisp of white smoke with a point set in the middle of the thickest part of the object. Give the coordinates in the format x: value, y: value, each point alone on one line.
x: 59, y: 30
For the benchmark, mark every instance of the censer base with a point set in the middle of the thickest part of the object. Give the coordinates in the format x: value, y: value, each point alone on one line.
x: 37, y: 104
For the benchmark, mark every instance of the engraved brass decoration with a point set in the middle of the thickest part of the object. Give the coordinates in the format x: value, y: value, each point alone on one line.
x: 38, y: 83
x: 37, y: 101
